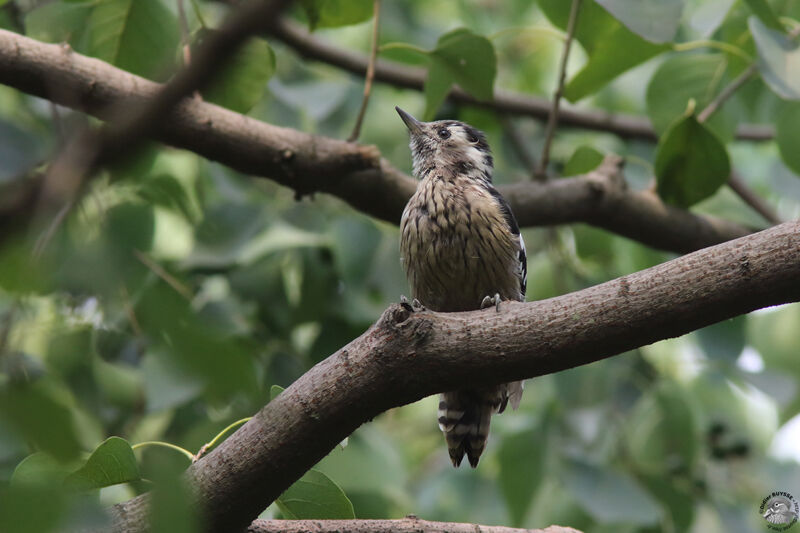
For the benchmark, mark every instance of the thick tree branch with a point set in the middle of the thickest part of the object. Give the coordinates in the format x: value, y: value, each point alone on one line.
x: 625, y: 126
x: 405, y: 357
x: 405, y: 525
x: 354, y: 173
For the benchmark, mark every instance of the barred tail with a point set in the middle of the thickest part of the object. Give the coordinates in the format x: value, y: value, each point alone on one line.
x: 465, y: 415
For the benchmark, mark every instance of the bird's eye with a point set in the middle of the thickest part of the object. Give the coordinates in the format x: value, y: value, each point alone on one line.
x: 444, y: 133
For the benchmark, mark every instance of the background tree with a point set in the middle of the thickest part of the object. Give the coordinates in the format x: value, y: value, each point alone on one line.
x: 155, y: 294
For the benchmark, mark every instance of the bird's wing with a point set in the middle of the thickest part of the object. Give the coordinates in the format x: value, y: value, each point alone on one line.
x: 513, y: 227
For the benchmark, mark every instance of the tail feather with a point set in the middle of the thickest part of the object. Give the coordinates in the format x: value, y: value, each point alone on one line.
x: 465, y: 416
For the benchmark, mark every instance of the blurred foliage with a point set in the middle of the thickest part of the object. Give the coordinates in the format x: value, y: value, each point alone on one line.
x: 177, y: 294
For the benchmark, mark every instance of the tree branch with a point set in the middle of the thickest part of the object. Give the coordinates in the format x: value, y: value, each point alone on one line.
x: 407, y: 356
x: 404, y: 525
x: 625, y: 126
x: 356, y: 174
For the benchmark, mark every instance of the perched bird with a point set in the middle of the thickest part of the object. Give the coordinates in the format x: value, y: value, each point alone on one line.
x: 461, y: 250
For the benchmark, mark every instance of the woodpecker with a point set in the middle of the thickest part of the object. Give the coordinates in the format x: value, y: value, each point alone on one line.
x: 461, y: 250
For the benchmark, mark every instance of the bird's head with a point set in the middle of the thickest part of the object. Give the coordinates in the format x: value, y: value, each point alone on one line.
x: 448, y: 143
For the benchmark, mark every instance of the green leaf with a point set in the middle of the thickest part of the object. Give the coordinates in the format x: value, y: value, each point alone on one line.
x: 437, y: 85
x: 787, y: 134
x: 335, y: 13
x: 660, y: 433
x: 691, y: 163
x: 140, y: 36
x: 274, y: 391
x: 25, y: 509
x: 764, y: 12
x: 583, y: 160
x: 462, y: 57
x: 121, y: 383
x: 242, y: 82
x: 111, y: 463
x: 612, y: 48
x: 60, y: 22
x: 39, y: 469
x: 778, y: 60
x: 315, y: 496
x: 470, y: 59
x: 655, y: 20
x: 522, y: 461
x: 684, y: 77
x: 354, y: 243
x: 620, y: 51
x: 166, y: 191
x: 725, y: 340
x: 609, y: 496
x: 594, y: 22
x: 41, y: 415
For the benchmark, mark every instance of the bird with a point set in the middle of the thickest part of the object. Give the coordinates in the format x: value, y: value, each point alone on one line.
x: 461, y: 249
x: 779, y: 511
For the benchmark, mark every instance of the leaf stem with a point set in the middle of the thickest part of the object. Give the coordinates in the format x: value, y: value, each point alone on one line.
x: 725, y: 47
x: 552, y: 119
x: 370, y: 72
x: 734, y: 182
x: 199, y: 14
x: 403, y: 46
x: 220, y: 436
x: 525, y: 29
x: 184, y: 451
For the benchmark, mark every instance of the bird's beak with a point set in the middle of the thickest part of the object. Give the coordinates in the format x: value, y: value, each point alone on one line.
x: 413, y: 125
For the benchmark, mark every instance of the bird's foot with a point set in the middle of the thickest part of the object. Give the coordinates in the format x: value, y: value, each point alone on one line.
x: 412, y: 306
x: 489, y: 301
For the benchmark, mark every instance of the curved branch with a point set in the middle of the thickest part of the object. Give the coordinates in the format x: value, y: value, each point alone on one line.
x: 355, y: 173
x: 407, y: 356
x: 625, y: 126
x: 409, y: 524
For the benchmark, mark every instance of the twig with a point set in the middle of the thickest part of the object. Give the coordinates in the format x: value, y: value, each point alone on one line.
x: 132, y: 122
x: 552, y: 119
x: 507, y: 102
x: 131, y: 312
x: 186, y: 40
x: 734, y: 182
x: 370, y: 72
x: 726, y: 93
x: 752, y: 199
x: 518, y: 144
x: 168, y: 278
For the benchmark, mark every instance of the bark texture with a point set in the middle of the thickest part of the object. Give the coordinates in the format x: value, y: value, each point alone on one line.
x: 404, y: 525
x: 406, y: 356
x: 355, y: 173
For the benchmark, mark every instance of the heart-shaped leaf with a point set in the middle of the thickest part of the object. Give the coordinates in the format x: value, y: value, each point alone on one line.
x: 691, y: 163
x: 111, y: 463
x: 315, y: 496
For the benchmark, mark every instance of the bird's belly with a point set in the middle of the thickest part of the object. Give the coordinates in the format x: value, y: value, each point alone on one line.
x: 453, y: 268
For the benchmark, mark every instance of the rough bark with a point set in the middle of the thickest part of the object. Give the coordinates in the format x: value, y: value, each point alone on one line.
x: 404, y: 525
x: 407, y: 356
x: 625, y: 126
x: 352, y: 172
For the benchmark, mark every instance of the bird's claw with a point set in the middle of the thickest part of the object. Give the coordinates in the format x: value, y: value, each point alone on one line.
x: 412, y: 306
x: 489, y: 301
